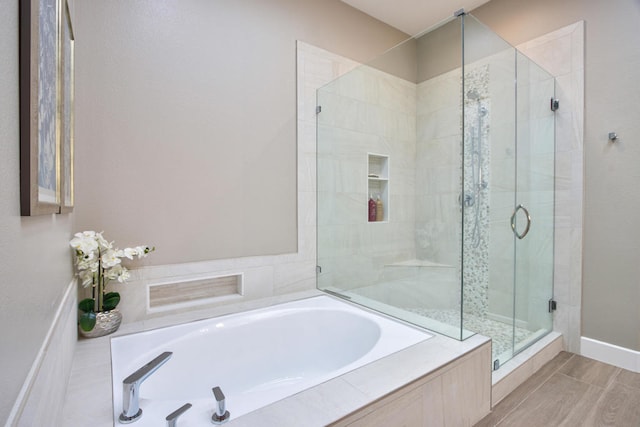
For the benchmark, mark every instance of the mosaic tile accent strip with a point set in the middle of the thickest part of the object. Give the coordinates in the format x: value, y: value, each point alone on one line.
x: 477, y: 177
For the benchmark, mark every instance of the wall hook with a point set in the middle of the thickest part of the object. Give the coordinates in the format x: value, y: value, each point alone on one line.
x: 613, y: 136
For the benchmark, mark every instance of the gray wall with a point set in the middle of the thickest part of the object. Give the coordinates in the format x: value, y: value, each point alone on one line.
x: 35, y: 262
x: 611, y: 271
x: 399, y: 61
x: 185, y: 139
x: 186, y: 119
x: 443, y: 43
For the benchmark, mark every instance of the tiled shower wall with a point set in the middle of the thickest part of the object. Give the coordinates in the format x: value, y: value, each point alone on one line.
x: 438, y: 178
x: 439, y: 152
x: 365, y: 111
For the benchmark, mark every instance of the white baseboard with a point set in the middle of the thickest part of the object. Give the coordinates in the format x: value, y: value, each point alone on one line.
x: 609, y: 353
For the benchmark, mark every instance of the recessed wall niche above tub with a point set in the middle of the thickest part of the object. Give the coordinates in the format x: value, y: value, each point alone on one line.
x: 172, y: 295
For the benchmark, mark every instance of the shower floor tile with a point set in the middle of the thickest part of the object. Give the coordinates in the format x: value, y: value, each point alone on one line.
x: 502, y: 334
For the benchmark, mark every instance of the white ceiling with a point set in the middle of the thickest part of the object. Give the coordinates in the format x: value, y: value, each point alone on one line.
x: 413, y: 16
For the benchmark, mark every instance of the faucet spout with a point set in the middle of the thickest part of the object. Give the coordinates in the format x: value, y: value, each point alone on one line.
x: 131, y: 388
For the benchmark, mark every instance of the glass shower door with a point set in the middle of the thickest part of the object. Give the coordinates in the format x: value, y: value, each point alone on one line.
x: 533, y: 218
x: 508, y: 193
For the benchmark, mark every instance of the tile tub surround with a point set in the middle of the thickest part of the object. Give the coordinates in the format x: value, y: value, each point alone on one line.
x: 319, y: 405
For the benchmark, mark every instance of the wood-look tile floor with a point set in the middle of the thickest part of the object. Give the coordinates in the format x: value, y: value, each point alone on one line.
x: 571, y: 390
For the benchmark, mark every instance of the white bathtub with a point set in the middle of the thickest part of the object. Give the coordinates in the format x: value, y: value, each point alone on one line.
x: 256, y: 357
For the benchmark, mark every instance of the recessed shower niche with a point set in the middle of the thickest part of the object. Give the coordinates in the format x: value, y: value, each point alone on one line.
x: 378, y: 187
x: 468, y: 247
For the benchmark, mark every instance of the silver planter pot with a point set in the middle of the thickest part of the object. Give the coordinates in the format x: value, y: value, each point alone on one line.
x: 107, y: 322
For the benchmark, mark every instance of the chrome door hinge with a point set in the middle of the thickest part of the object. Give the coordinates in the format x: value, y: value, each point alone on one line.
x: 555, y: 104
x: 318, y: 109
x: 553, y: 305
x: 318, y: 269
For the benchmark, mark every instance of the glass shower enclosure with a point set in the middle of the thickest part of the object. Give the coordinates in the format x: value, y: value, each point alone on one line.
x: 435, y: 186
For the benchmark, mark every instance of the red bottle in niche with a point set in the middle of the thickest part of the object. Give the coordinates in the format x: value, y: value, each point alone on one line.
x: 372, y: 209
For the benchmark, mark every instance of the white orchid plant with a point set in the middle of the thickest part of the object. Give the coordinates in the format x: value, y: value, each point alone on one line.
x: 98, y: 262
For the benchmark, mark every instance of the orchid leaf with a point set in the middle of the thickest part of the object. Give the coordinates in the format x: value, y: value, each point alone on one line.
x: 87, y: 321
x: 110, y: 301
x: 86, y: 305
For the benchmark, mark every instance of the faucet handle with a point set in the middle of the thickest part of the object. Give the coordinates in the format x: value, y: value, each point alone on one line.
x: 220, y: 415
x: 172, y: 418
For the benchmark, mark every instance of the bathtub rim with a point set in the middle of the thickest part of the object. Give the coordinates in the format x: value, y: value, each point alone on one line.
x: 381, y: 348
x: 93, y: 359
x: 124, y: 331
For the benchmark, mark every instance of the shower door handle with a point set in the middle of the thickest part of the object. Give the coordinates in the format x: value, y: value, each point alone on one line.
x: 513, y: 222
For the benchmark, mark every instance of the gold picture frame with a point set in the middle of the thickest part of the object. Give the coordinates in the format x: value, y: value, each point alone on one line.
x: 67, y: 59
x: 42, y: 103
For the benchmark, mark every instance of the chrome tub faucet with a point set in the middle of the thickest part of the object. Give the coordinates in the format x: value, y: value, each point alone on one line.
x: 220, y: 414
x: 172, y: 418
x: 131, y: 388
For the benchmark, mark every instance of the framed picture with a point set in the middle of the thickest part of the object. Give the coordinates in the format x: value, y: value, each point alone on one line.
x: 67, y: 110
x: 43, y: 101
